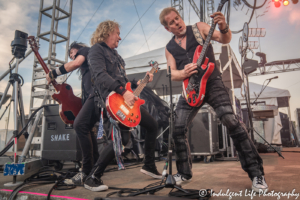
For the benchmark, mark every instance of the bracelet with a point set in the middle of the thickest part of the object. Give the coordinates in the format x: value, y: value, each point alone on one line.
x: 225, y: 30
x: 51, y: 76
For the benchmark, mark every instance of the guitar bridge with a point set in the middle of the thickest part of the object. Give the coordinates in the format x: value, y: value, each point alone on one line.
x: 121, y: 115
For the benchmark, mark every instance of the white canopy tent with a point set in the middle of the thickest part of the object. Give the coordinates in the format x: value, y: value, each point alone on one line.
x: 271, y: 96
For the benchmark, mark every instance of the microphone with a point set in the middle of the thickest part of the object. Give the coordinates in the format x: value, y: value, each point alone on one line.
x: 273, y: 78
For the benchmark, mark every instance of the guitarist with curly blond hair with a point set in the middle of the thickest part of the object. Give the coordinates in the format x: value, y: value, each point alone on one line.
x: 108, y: 74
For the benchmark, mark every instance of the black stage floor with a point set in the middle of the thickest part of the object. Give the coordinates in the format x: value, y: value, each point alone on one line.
x: 282, y: 176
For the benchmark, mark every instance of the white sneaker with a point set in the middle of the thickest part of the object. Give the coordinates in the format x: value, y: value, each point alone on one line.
x: 180, y: 179
x: 259, y: 184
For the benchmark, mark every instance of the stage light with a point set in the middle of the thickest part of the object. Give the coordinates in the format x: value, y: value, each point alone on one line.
x: 286, y: 2
x: 277, y: 4
x: 263, y: 58
x: 19, y: 44
x: 295, y: 1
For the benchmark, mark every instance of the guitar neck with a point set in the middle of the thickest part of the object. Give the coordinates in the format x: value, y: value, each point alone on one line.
x: 143, y: 83
x: 208, y: 39
x: 205, y: 46
x: 41, y: 61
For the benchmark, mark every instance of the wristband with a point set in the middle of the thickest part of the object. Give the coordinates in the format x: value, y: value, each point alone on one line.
x: 54, y: 73
x: 120, y: 90
x: 62, y: 69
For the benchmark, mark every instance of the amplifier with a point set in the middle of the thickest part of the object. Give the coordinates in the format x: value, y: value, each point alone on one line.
x: 59, y: 139
x: 297, y: 115
x: 203, y: 132
x: 285, y: 131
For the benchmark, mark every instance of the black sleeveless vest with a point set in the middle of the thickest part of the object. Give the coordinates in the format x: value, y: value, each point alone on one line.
x: 183, y: 57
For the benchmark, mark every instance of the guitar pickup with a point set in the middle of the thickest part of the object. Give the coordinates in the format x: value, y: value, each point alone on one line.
x: 121, y: 115
x: 194, y: 98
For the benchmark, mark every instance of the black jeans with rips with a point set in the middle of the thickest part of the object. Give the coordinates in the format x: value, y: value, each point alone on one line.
x: 217, y: 97
x: 108, y: 154
x: 83, y: 126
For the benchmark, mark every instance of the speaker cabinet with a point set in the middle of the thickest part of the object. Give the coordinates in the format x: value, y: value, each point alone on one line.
x: 285, y: 131
x: 203, y: 133
x: 59, y: 140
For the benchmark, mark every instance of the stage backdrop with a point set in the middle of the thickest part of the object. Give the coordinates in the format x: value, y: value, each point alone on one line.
x: 270, y: 95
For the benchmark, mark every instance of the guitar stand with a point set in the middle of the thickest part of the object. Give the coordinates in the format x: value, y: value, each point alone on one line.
x: 169, y: 181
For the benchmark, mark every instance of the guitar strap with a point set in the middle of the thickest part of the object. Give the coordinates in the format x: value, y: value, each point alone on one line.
x: 197, y: 34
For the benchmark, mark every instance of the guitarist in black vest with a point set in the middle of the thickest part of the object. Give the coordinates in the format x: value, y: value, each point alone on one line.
x: 179, y: 53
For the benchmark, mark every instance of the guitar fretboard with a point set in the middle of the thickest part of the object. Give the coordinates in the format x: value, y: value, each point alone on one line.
x: 35, y: 48
x: 143, y: 83
x: 208, y: 38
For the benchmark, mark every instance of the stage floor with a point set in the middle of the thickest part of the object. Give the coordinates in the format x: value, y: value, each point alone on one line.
x: 282, y: 176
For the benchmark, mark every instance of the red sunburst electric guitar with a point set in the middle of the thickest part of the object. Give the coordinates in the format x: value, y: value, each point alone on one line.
x: 129, y: 116
x: 193, y: 88
x: 69, y: 104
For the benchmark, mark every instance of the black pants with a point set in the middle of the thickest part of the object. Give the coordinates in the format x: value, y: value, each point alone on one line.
x: 83, y: 125
x: 217, y: 97
x: 108, y: 154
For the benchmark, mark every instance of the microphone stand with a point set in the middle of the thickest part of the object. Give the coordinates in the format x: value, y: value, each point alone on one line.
x: 261, y: 91
x: 269, y: 80
x: 170, y: 181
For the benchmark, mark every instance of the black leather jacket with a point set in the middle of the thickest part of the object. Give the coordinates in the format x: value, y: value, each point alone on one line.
x: 107, y: 69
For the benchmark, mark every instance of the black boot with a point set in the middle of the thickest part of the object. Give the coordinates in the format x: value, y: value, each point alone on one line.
x: 151, y: 170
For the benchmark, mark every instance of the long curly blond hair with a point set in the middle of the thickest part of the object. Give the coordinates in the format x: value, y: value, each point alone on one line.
x: 103, y: 30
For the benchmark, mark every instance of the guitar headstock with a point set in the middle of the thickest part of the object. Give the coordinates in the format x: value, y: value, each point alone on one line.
x: 154, y: 66
x: 223, y: 2
x: 33, y: 43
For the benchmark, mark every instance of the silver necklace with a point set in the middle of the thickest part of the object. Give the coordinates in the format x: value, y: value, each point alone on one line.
x: 179, y: 41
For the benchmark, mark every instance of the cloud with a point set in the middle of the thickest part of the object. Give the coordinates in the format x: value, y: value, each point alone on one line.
x: 294, y: 18
x: 15, y: 15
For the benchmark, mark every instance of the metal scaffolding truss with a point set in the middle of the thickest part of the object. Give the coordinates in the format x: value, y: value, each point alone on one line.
x: 40, y: 90
x: 200, y: 12
x: 39, y: 87
x: 210, y: 10
x: 178, y: 4
x: 278, y: 67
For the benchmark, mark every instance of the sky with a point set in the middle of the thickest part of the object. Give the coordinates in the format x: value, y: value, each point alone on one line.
x: 281, y: 42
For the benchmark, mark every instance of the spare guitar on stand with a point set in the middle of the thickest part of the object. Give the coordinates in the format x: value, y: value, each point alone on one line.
x: 69, y: 104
